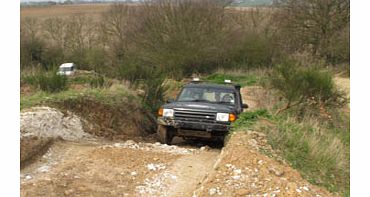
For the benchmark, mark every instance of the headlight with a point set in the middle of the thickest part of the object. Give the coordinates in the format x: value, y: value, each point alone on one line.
x: 160, y: 112
x: 222, y: 117
x: 168, y: 113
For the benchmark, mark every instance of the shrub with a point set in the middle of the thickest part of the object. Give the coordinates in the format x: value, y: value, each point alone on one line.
x: 148, y: 78
x: 52, y: 83
x: 49, y: 82
x: 97, y: 82
x: 305, y: 86
x: 254, y: 51
x: 154, y: 90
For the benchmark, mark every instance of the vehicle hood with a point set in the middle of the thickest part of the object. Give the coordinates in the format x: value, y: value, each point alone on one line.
x: 201, y: 106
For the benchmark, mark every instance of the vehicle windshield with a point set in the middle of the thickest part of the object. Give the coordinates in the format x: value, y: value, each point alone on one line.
x: 211, y: 95
x: 65, y: 69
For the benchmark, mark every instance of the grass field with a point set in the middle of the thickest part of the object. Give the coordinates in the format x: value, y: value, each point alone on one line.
x: 93, y: 10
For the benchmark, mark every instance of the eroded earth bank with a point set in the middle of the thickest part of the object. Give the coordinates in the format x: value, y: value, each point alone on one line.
x: 60, y: 159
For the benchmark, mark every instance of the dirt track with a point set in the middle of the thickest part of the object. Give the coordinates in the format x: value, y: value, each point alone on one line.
x: 97, y: 167
x: 117, y: 169
x: 103, y: 168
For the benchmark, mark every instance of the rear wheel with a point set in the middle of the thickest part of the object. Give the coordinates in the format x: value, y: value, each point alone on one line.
x: 165, y: 134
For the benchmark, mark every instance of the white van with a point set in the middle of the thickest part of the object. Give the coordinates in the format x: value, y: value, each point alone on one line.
x: 67, y: 69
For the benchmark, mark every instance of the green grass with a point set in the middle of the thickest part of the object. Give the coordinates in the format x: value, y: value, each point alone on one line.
x: 247, y: 119
x: 80, y: 79
x: 318, y: 148
x: 102, y: 95
x: 242, y: 79
x: 320, y: 152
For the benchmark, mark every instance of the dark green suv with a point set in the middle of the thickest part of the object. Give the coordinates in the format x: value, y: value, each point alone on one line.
x: 201, y: 110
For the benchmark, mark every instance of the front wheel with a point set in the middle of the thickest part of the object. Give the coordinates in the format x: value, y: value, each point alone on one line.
x: 165, y: 134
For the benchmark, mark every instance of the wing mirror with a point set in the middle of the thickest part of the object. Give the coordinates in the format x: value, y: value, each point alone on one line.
x: 171, y: 100
x: 244, y: 106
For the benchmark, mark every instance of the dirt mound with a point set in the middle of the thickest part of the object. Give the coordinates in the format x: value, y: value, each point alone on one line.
x: 40, y: 126
x: 343, y: 84
x: 110, y: 121
x: 243, y: 171
x: 52, y: 123
x: 257, y: 97
x: 32, y: 146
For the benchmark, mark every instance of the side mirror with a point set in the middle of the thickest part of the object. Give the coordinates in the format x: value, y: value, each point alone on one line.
x: 171, y: 100
x: 244, y: 106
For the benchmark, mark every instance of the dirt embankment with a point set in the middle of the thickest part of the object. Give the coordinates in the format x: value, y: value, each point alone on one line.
x: 110, y: 121
x: 84, y: 164
x: 153, y: 169
x: 41, y: 126
x: 106, y: 168
x: 67, y: 161
x: 242, y: 170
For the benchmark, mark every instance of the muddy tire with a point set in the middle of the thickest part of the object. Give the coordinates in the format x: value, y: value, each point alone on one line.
x: 165, y: 134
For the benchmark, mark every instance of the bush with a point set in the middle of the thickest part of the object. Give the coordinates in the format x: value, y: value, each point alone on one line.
x: 254, y: 51
x: 52, y: 83
x: 97, y: 82
x: 154, y: 90
x: 47, y: 82
x: 148, y: 78
x: 305, y: 86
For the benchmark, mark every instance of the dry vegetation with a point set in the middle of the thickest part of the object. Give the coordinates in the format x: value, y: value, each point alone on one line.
x: 93, y: 10
x: 151, y: 44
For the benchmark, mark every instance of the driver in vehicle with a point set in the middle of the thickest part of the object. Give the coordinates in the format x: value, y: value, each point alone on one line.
x: 227, y: 98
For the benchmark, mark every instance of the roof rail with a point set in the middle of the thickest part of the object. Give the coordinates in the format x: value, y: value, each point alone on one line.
x: 196, y: 80
x: 226, y: 82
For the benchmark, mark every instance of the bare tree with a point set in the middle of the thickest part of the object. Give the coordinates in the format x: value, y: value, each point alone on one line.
x: 54, y: 29
x: 31, y: 45
x: 116, y: 25
x: 312, y: 23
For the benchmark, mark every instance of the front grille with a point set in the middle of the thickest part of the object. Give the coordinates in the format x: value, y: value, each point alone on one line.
x: 195, y: 115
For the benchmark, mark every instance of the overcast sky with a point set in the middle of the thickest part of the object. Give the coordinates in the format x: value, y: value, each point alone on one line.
x: 51, y: 0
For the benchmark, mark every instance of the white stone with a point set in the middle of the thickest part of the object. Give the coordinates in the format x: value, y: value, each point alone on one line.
x: 237, y: 171
x: 212, y: 191
x: 117, y: 145
x: 43, y: 169
x: 237, y: 177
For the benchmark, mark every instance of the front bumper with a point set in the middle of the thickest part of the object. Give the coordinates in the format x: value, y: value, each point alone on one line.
x: 193, y: 125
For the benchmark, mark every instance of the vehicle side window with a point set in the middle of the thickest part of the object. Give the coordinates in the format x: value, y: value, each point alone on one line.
x: 227, y: 97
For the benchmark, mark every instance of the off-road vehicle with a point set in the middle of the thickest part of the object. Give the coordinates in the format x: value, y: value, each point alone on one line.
x: 201, y: 110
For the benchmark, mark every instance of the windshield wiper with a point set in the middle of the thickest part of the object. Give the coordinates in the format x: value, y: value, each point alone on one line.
x: 199, y: 100
x: 225, y: 102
